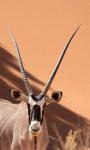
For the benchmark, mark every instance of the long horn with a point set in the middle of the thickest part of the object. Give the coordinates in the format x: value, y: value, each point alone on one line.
x: 45, y: 90
x: 24, y: 76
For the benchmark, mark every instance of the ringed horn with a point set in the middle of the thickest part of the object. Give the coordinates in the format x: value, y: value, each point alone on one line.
x: 24, y: 75
x: 47, y: 86
x: 45, y: 90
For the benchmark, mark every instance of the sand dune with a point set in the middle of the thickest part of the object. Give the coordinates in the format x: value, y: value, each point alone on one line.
x: 56, y: 114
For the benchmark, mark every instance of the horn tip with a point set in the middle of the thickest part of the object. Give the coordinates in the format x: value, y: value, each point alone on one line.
x: 78, y: 28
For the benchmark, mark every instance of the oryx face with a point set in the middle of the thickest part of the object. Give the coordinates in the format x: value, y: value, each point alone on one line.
x: 37, y: 103
x: 36, y: 114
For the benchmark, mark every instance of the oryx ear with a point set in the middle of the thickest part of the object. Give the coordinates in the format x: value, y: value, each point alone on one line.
x: 56, y: 96
x: 18, y: 95
x: 15, y: 94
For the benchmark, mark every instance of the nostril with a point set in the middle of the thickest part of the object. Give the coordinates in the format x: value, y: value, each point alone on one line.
x: 34, y: 129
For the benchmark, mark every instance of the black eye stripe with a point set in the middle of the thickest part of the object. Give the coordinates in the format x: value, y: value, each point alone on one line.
x: 43, y: 113
x: 28, y: 105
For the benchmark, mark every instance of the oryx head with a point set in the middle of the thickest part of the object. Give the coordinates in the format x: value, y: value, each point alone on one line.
x: 37, y: 103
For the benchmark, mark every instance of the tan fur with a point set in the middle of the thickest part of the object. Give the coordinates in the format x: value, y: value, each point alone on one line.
x: 14, y: 128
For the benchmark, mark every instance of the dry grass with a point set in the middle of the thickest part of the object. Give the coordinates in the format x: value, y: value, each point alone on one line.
x: 75, y: 140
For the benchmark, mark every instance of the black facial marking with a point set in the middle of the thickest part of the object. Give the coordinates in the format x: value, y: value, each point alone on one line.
x: 28, y: 105
x: 34, y: 97
x: 36, y: 113
x: 43, y: 113
x: 37, y: 98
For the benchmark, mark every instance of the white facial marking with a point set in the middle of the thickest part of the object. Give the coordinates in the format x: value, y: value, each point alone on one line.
x: 35, y: 126
x: 39, y: 103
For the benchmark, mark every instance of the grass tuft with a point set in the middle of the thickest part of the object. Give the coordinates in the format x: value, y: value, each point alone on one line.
x: 75, y: 140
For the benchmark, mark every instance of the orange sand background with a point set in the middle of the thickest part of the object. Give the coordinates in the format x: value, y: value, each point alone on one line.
x: 41, y: 28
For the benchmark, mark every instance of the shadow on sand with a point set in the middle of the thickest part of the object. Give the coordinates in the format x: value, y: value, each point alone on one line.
x: 56, y: 114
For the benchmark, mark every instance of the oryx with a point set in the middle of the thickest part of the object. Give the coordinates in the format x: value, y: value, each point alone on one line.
x: 27, y: 122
